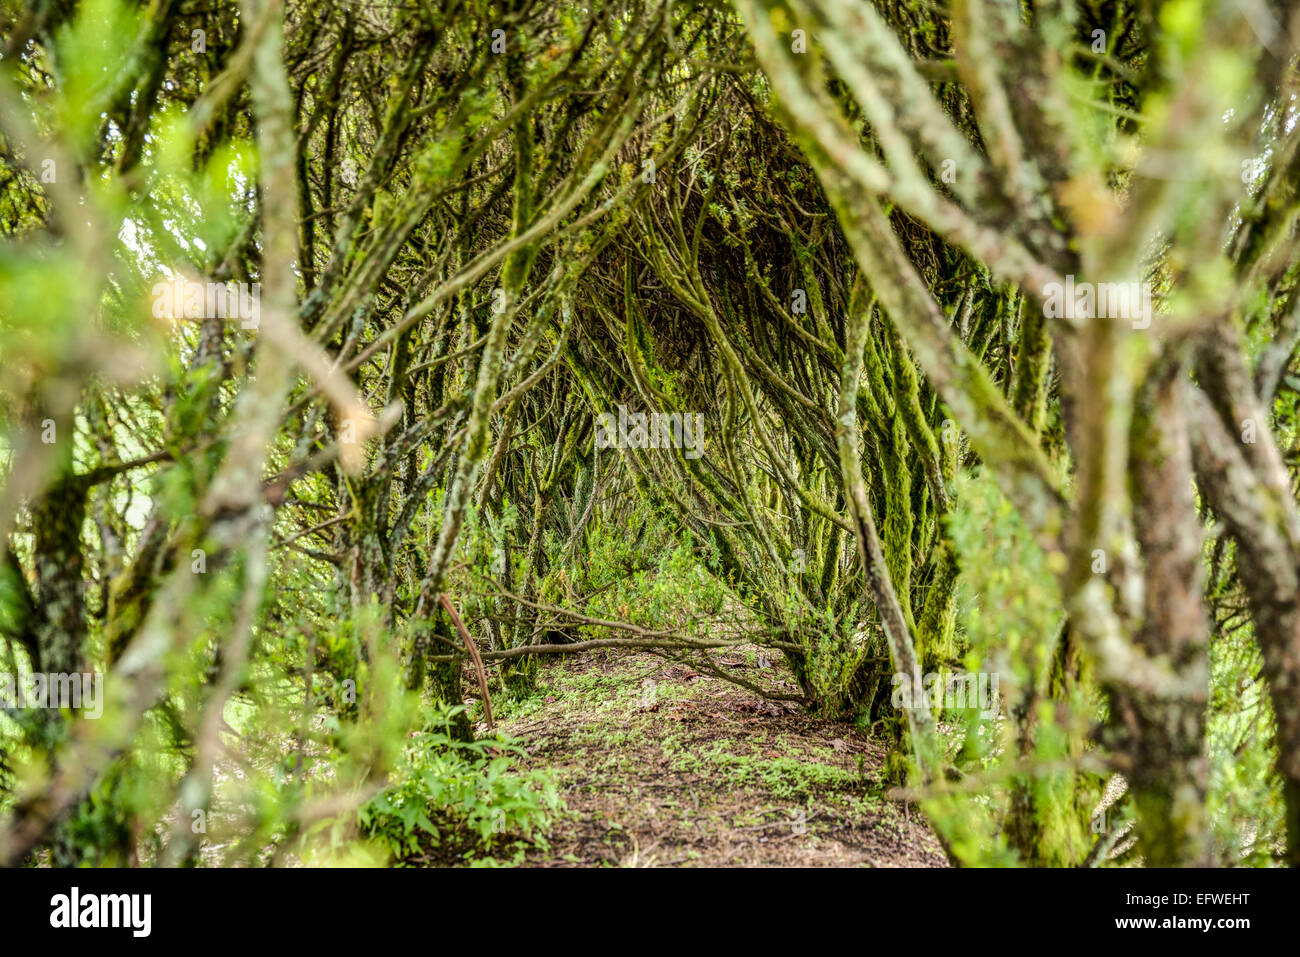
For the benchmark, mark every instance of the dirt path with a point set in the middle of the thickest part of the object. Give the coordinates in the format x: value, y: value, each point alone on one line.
x: 662, y: 766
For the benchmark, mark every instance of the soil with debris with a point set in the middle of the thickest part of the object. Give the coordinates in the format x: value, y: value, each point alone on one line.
x: 660, y: 765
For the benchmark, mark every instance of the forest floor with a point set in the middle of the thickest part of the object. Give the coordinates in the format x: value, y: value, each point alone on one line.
x: 662, y: 766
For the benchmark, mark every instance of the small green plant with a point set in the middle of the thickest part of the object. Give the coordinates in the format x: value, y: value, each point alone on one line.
x: 461, y: 798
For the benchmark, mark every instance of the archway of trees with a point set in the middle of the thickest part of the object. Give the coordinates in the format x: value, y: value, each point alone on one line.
x: 885, y: 339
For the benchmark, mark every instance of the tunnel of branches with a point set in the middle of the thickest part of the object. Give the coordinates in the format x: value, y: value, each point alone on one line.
x: 823, y: 229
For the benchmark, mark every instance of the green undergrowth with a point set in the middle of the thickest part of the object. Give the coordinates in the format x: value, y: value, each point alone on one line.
x: 463, y: 802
